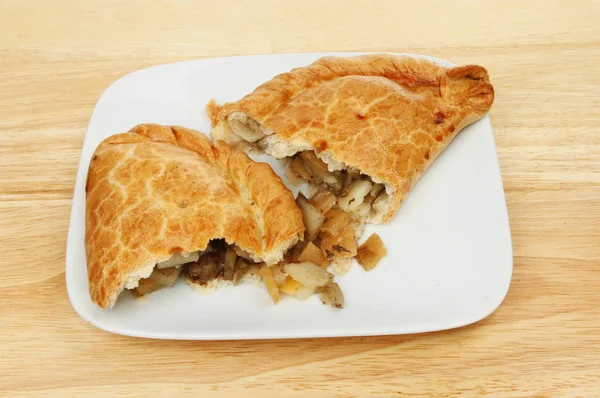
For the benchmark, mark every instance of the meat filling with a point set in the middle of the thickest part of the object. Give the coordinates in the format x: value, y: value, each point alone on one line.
x: 218, y: 261
x: 207, y: 268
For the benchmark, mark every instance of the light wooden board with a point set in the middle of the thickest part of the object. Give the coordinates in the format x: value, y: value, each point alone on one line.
x: 57, y: 57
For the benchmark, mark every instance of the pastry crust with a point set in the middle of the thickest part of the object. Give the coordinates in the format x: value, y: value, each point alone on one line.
x: 158, y: 190
x: 387, y: 116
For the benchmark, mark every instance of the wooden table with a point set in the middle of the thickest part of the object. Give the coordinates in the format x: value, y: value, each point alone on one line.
x: 57, y: 57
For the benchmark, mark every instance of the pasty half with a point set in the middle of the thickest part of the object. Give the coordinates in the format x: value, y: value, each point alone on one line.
x: 382, y: 119
x: 168, y: 196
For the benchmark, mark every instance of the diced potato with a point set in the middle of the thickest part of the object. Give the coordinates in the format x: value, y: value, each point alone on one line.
x: 312, y: 218
x: 165, y: 276
x: 296, y: 172
x: 292, y: 254
x: 250, y: 272
x: 323, y: 200
x: 381, y: 204
x: 299, y: 169
x: 303, y: 293
x: 359, y: 228
x: 240, y: 264
x: 146, y: 286
x: 278, y: 276
x: 362, y: 212
x: 335, y: 220
x: 312, y: 189
x: 229, y: 263
x: 293, y: 178
x: 341, y: 266
x: 356, y: 195
x: 313, y: 254
x: 331, y: 180
x: 295, y: 288
x: 320, y: 170
x: 369, y: 200
x: 376, y: 190
x: 337, y: 182
x: 178, y: 259
x: 339, y: 246
x: 350, y: 177
x: 375, y: 244
x: 371, y: 252
x: 367, y: 259
x: 308, y: 274
x: 270, y: 284
x: 316, y: 165
x: 332, y: 295
x: 289, y: 286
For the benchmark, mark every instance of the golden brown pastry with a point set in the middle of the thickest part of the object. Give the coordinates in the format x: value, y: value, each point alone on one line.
x: 159, y: 195
x: 373, y: 120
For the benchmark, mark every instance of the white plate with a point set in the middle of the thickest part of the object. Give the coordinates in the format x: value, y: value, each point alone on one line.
x: 450, y: 254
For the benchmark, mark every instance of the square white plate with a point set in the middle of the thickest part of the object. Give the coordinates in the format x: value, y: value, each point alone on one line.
x: 450, y: 253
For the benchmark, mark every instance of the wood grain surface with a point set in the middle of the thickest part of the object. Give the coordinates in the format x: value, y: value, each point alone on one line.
x: 56, y: 58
